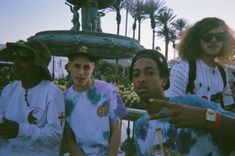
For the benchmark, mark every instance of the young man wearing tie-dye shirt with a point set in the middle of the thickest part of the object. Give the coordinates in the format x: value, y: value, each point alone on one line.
x: 93, y: 110
x: 206, y: 128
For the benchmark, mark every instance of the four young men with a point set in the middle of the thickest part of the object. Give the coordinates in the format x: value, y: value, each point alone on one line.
x: 32, y: 108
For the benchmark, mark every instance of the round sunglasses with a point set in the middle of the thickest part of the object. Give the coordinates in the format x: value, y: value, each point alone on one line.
x: 209, y: 36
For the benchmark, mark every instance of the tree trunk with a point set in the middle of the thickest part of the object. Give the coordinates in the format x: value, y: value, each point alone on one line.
x: 139, y: 21
x: 126, y: 22
x: 166, y: 49
x: 153, y: 41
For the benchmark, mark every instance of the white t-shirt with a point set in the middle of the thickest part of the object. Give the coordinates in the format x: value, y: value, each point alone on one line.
x: 89, y: 114
x: 208, y: 82
x: 40, y: 123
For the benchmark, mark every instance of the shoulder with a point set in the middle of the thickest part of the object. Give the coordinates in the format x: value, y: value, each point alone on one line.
x: 50, y: 87
x: 182, y: 66
x: 12, y: 85
x: 143, y: 120
x: 102, y: 85
x: 68, y: 91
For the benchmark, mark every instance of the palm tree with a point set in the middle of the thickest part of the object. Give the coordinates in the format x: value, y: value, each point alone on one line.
x: 164, y: 20
x: 152, y: 8
x: 173, y: 37
x: 179, y: 25
x: 137, y: 11
x: 140, y: 14
x: 127, y: 6
x: 132, y: 10
x: 118, y: 5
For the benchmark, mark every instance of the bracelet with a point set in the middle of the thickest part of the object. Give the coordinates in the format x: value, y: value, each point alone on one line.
x: 218, y: 121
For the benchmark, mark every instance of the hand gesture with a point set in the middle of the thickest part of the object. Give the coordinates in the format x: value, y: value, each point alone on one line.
x: 181, y: 115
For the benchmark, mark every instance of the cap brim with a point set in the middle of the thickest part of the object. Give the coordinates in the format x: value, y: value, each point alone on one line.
x: 14, y: 46
x: 77, y: 55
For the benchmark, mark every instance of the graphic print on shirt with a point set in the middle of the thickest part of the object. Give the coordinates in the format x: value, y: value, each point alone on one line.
x: 103, y: 109
x: 36, y: 116
x: 174, y: 140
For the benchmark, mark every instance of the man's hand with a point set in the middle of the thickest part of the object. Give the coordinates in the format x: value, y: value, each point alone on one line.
x: 9, y: 129
x: 181, y: 115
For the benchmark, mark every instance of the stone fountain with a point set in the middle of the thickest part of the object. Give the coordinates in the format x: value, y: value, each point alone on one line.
x: 102, y: 45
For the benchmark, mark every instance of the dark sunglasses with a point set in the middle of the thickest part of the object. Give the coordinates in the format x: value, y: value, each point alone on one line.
x: 24, y: 58
x: 28, y: 58
x: 209, y: 36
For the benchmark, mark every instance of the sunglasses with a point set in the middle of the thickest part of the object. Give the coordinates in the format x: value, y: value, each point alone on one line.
x: 209, y: 36
x: 23, y: 58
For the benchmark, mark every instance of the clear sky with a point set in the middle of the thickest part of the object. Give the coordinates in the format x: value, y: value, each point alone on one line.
x: 20, y: 19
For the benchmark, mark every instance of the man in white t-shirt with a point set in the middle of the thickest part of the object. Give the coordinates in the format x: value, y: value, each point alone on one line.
x: 32, y: 108
x: 206, y: 41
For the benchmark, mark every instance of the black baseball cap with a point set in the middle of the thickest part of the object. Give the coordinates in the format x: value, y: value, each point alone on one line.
x: 82, y: 52
x: 158, y: 58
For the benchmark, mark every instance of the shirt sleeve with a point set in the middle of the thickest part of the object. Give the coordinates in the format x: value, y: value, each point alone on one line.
x: 117, y: 109
x: 1, y: 110
x: 178, y: 79
x: 51, y: 132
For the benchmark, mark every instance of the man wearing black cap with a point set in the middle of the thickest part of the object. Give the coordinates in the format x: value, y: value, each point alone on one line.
x: 32, y: 107
x: 93, y: 109
x: 149, y: 74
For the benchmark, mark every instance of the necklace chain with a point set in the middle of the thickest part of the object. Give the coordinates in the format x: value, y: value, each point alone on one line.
x: 26, y: 97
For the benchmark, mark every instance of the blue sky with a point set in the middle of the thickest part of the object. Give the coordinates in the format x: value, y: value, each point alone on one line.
x: 20, y: 19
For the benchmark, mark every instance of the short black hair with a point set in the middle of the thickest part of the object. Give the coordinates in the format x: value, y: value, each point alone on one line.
x: 158, y: 58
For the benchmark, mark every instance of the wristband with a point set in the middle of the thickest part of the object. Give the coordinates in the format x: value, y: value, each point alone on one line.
x: 218, y: 121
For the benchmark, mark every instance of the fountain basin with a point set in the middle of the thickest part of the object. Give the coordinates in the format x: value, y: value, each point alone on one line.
x: 101, y: 45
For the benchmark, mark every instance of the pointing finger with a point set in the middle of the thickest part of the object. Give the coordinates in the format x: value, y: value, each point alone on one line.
x: 163, y: 103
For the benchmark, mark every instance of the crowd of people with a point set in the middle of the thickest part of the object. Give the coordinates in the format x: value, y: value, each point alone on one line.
x: 188, y: 109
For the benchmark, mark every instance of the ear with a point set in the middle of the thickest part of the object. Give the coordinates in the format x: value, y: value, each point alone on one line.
x: 93, y: 66
x: 164, y: 82
x: 67, y: 67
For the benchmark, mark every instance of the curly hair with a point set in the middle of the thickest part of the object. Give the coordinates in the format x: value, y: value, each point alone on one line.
x: 190, y: 47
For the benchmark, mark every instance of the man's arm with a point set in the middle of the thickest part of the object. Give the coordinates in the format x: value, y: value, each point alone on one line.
x: 115, y: 138
x: 228, y: 126
x: 193, y: 117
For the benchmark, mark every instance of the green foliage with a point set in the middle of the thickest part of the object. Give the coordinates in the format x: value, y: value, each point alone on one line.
x: 61, y: 83
x: 129, y: 97
x: 5, y: 75
x: 106, y: 71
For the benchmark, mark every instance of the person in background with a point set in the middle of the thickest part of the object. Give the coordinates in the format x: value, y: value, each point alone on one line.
x: 93, y: 110
x: 149, y: 74
x: 199, y: 73
x: 31, y: 108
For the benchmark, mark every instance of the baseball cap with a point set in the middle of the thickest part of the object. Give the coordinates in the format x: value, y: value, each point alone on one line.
x: 82, y: 52
x: 38, y: 50
x: 158, y: 58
